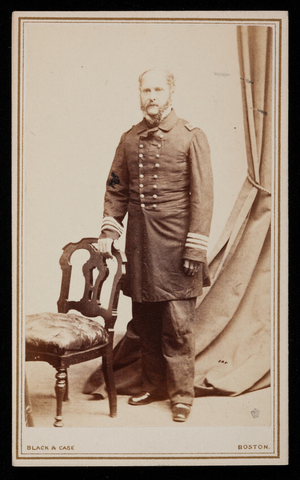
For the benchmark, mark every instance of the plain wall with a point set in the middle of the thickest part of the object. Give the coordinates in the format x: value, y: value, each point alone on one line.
x: 81, y: 94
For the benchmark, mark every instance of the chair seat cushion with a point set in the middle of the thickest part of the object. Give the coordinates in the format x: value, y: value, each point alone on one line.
x: 61, y: 333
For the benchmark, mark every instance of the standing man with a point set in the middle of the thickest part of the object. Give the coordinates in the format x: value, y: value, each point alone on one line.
x: 161, y: 176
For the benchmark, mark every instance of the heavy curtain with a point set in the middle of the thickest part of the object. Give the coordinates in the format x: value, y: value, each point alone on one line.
x: 233, y: 332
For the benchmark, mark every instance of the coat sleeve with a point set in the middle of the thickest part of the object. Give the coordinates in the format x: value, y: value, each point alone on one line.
x: 116, y: 195
x: 201, y: 199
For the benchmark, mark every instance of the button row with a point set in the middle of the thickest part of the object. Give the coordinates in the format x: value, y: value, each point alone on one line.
x: 142, y: 176
x: 143, y: 196
x: 158, y: 146
x: 157, y: 165
x: 142, y: 156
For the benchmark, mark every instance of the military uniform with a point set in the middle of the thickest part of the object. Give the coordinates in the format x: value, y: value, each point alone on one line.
x: 162, y: 177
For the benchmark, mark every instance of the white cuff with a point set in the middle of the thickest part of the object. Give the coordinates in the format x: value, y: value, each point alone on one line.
x: 196, y: 240
x: 111, y: 224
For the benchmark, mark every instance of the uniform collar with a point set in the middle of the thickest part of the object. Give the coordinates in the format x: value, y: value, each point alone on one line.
x: 166, y: 124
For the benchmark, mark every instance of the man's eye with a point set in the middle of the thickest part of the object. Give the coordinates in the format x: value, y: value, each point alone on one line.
x: 159, y: 89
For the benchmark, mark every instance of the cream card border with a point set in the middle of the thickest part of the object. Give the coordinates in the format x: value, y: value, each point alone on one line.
x: 85, y: 453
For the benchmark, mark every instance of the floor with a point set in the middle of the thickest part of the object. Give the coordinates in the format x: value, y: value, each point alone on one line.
x: 251, y: 409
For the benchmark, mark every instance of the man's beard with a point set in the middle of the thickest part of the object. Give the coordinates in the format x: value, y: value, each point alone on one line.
x: 154, y: 120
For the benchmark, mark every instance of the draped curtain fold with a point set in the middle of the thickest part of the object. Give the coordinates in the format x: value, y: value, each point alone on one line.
x: 233, y: 316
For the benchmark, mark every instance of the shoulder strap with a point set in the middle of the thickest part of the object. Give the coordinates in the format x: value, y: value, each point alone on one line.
x: 190, y: 127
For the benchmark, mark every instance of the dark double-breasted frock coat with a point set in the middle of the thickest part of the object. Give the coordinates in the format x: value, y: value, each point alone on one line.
x: 162, y: 178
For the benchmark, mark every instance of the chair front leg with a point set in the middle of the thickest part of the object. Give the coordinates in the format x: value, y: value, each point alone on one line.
x: 107, y: 368
x: 66, y: 394
x: 60, y: 391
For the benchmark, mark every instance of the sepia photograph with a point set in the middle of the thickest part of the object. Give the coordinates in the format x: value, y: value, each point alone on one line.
x: 150, y: 238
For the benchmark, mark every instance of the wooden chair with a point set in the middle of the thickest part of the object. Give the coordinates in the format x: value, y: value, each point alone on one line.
x: 63, y: 339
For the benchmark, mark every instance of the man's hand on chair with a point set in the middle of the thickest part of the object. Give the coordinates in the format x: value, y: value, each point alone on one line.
x: 104, y: 246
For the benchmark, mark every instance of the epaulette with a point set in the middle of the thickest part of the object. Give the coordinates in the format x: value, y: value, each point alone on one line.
x: 190, y: 127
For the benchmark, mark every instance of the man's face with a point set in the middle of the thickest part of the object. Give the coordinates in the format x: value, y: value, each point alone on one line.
x: 155, y: 94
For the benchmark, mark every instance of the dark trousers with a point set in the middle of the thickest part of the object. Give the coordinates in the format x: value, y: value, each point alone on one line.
x: 166, y: 331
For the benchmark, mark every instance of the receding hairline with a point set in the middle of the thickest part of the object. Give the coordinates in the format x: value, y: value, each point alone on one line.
x: 170, y: 79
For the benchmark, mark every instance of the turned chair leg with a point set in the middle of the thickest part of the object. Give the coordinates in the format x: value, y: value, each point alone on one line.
x: 60, y: 391
x: 107, y: 368
x: 66, y: 394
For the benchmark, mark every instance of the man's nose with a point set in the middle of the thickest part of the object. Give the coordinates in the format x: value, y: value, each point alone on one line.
x: 152, y: 95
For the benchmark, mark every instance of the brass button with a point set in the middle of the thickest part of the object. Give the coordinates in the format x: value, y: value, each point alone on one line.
x: 157, y: 165
x: 141, y: 155
x: 159, y: 145
x: 154, y: 206
x: 141, y: 165
x: 142, y: 195
x: 157, y: 155
x: 161, y: 136
x: 154, y: 186
x: 142, y: 205
x: 154, y: 176
x: 141, y: 175
x: 154, y: 196
x: 141, y: 185
x: 141, y: 146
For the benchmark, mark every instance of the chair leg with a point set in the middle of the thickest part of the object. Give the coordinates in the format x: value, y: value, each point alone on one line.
x: 60, y: 390
x: 66, y: 394
x: 107, y: 367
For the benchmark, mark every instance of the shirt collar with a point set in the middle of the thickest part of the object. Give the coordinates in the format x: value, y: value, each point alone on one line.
x: 166, y: 124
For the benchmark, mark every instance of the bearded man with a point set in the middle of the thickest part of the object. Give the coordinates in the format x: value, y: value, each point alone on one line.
x: 161, y: 176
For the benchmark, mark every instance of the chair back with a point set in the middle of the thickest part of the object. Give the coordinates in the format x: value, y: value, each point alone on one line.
x: 89, y: 305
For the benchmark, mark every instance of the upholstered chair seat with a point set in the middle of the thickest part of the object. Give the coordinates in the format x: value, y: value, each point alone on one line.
x: 63, y: 333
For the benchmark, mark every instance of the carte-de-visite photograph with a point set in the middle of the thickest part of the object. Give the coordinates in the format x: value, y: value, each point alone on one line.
x: 149, y: 238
